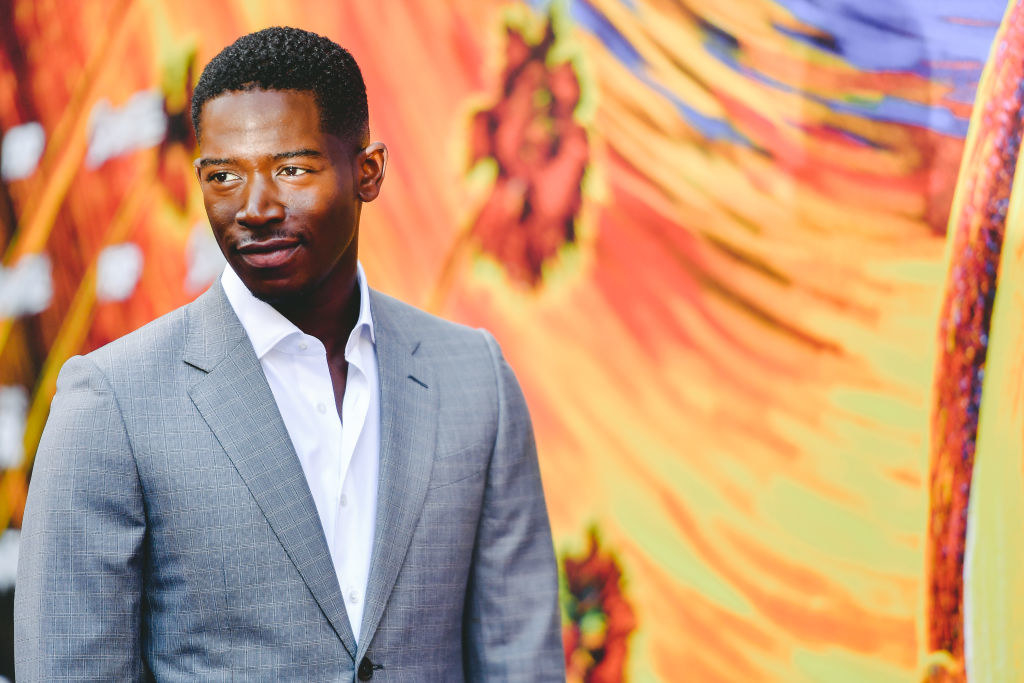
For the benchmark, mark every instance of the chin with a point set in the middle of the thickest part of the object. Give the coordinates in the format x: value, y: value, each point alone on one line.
x: 277, y: 293
x: 282, y: 297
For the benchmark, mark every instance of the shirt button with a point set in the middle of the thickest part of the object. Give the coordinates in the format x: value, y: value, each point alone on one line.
x: 343, y: 500
x: 303, y: 346
x: 353, y: 597
x: 321, y: 408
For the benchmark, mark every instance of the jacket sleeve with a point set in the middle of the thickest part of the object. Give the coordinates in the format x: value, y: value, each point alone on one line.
x: 512, y: 620
x: 77, y: 611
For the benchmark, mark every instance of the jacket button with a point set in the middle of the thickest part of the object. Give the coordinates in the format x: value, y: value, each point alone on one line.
x: 365, y: 671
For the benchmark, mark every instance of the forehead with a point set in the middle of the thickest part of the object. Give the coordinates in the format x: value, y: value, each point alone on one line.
x: 259, y: 122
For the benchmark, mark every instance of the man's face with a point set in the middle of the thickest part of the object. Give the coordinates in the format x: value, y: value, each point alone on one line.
x: 283, y: 197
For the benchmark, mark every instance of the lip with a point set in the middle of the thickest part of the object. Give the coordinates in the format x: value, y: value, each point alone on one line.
x: 269, y: 253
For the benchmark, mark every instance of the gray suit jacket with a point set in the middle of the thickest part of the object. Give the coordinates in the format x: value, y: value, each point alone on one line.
x: 170, y: 532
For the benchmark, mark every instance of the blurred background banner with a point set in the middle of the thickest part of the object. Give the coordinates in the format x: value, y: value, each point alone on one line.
x: 711, y: 238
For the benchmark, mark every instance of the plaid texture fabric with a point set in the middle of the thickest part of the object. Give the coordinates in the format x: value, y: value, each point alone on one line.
x: 170, y: 533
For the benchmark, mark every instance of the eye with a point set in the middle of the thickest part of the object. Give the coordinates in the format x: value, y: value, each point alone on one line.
x: 293, y: 171
x: 221, y: 177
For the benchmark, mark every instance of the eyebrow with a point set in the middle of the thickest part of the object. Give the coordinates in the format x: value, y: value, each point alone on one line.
x: 204, y: 162
x: 226, y: 161
x: 297, y: 153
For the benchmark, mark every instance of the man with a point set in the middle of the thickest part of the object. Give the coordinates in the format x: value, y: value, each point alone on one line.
x: 293, y: 477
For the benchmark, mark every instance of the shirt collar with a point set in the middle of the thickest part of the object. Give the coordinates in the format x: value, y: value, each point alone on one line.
x: 267, y: 328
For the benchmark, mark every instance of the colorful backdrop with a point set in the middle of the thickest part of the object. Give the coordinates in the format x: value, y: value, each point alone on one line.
x: 729, y: 248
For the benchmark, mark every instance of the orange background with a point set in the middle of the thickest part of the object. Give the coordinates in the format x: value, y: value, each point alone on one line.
x: 728, y: 357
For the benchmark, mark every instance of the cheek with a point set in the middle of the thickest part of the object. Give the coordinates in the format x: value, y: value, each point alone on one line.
x: 221, y: 218
x: 321, y: 199
x: 221, y: 214
x: 326, y: 215
x: 218, y: 208
x: 220, y: 232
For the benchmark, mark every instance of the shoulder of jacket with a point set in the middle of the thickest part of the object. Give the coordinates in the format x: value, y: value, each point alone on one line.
x: 161, y: 337
x: 426, y: 327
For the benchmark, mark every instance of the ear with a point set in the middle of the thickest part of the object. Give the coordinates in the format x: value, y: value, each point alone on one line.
x: 371, y: 163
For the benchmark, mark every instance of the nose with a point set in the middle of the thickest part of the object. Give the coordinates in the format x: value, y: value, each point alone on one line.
x: 260, y: 204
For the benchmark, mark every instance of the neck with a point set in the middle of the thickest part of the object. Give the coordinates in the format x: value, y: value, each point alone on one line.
x: 329, y: 311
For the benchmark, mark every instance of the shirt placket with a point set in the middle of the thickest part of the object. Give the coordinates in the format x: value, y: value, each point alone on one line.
x: 354, y: 410
x: 327, y: 425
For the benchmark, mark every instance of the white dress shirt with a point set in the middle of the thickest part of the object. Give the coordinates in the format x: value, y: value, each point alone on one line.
x: 339, y: 455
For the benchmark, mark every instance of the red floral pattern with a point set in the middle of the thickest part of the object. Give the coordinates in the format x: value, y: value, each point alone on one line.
x: 541, y: 153
x: 599, y: 619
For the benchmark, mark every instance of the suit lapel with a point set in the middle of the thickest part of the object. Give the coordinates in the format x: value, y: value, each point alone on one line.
x: 235, y: 400
x: 408, y: 426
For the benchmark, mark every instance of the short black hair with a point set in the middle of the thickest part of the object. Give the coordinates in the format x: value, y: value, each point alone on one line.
x: 284, y: 58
